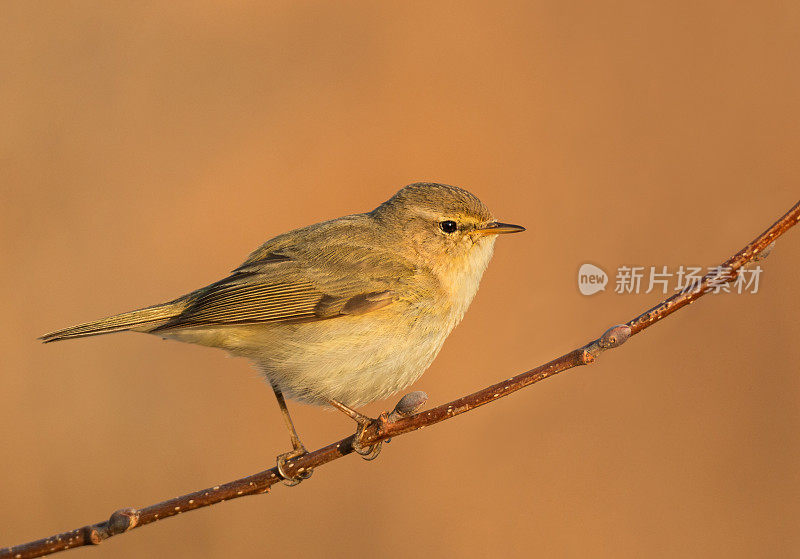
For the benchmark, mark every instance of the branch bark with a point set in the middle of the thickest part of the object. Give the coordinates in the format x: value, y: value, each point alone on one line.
x: 403, y: 419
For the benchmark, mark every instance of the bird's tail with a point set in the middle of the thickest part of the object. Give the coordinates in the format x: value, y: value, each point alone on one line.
x: 142, y: 320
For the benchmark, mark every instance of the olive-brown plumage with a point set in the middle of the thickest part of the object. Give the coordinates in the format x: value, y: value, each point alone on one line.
x: 341, y: 312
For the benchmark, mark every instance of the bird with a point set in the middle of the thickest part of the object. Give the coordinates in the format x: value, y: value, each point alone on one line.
x: 343, y: 312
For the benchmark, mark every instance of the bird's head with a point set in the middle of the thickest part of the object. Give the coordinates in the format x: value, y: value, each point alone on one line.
x: 443, y: 227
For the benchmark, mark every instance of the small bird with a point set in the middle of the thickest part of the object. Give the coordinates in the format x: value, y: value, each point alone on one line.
x: 343, y: 312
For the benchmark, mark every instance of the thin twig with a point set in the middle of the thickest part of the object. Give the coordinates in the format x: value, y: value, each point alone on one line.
x: 402, y: 419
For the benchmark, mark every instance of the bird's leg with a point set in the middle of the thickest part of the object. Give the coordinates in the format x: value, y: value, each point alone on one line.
x: 367, y: 452
x: 297, y: 447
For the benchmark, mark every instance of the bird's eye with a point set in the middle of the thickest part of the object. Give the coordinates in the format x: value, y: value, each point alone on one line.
x: 448, y: 226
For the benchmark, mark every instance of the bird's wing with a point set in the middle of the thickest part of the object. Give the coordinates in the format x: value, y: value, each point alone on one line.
x: 291, y: 287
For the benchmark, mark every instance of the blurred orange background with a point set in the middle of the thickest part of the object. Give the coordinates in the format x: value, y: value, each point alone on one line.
x: 148, y: 148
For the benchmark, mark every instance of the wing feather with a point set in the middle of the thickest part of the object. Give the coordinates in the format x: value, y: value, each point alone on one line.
x: 316, y: 273
x: 223, y: 303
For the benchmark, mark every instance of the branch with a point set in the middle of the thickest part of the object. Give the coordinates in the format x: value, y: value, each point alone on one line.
x: 403, y: 419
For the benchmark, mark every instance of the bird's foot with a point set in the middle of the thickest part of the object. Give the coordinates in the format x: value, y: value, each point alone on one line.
x: 367, y: 452
x: 284, y: 460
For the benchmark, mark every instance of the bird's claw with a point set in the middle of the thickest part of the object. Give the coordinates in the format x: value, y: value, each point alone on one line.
x: 282, y: 461
x: 372, y: 451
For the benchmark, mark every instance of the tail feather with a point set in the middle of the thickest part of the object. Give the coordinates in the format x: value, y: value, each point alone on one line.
x: 140, y: 320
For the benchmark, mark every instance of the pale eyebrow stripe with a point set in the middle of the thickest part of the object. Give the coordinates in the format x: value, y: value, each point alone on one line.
x: 433, y: 216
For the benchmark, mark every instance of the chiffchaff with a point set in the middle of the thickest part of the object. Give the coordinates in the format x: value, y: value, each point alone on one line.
x: 342, y: 312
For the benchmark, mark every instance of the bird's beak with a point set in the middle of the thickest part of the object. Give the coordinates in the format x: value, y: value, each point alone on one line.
x: 497, y: 228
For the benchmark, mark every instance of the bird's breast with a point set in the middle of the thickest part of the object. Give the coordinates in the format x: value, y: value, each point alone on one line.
x: 462, y: 278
